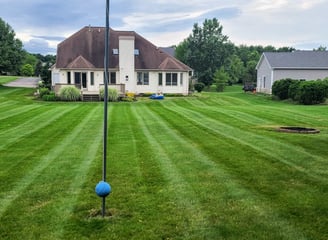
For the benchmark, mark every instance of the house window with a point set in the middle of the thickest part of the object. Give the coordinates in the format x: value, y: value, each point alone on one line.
x: 264, y: 78
x: 142, y: 78
x: 146, y: 78
x: 160, y: 79
x: 181, y: 79
x: 69, y: 77
x: 80, y: 78
x: 92, y: 78
x: 77, y: 78
x: 113, y: 78
x: 171, y: 79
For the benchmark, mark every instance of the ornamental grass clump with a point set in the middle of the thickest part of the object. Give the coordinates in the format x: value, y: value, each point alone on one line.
x: 113, y: 95
x: 69, y: 93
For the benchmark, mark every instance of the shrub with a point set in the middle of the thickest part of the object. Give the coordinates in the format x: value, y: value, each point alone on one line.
x: 49, y: 97
x: 280, y: 88
x: 147, y: 94
x: 325, y: 82
x: 199, y: 86
x: 112, y: 94
x: 43, y: 91
x: 293, y: 90
x: 69, y: 93
x: 130, y: 95
x: 312, y: 92
x: 221, y: 77
x: 128, y: 99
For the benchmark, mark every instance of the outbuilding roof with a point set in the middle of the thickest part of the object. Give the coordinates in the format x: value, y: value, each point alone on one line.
x: 296, y: 60
x: 85, y: 49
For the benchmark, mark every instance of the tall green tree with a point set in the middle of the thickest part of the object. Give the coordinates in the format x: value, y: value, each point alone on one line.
x: 221, y: 78
x: 235, y: 68
x: 27, y: 70
x: 205, y: 50
x: 11, y: 50
x: 181, y: 50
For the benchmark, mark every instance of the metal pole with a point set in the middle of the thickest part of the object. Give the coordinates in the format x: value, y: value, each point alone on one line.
x: 106, y: 63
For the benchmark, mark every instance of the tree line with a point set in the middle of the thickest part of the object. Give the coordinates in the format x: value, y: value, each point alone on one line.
x: 14, y: 60
x: 217, y: 60
x: 214, y: 58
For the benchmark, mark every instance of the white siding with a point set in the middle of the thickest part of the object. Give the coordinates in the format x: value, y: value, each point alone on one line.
x: 264, y: 76
x: 126, y: 63
x: 154, y: 86
x: 311, y: 74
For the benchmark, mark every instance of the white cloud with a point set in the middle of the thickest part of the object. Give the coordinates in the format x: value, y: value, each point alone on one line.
x: 168, y: 22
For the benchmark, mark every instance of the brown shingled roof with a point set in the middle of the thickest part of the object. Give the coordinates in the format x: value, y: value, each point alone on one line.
x: 80, y: 62
x: 85, y: 49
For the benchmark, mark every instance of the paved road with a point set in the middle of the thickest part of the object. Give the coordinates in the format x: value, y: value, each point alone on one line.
x: 28, y: 82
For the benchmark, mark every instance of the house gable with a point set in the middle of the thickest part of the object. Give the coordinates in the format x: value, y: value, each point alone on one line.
x: 80, y: 62
x: 170, y: 64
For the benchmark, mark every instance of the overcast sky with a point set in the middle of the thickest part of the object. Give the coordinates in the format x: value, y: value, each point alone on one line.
x: 42, y: 24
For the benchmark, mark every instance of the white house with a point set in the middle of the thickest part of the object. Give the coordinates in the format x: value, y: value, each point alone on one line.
x: 302, y: 65
x: 135, y: 64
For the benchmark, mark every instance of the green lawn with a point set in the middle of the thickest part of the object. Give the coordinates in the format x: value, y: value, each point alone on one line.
x: 7, y: 79
x: 205, y: 167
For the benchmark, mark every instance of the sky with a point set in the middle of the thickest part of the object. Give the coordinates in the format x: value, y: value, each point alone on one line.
x: 42, y: 24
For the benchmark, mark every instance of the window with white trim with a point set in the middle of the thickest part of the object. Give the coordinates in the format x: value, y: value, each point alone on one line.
x: 171, y: 79
x: 160, y: 79
x: 92, y: 78
x: 142, y: 78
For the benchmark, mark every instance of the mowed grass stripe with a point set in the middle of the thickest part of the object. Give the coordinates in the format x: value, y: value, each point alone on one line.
x: 12, y: 110
x: 90, y: 142
x: 229, y: 112
x: 27, y: 126
x: 44, y: 162
x: 260, y: 143
x: 183, y: 194
x: 215, y: 191
x: 25, y: 152
x: 246, y: 118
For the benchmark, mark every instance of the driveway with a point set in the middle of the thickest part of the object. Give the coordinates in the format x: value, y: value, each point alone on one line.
x: 28, y: 82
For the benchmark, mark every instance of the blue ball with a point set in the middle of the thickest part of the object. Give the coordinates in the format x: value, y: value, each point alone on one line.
x: 103, y: 189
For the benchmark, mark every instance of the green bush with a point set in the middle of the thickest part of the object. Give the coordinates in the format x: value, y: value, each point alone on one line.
x: 43, y: 91
x: 312, y: 92
x: 49, y: 97
x: 113, y: 95
x: 220, y: 86
x: 280, y: 88
x: 128, y: 99
x: 293, y: 90
x: 69, y: 93
x: 199, y: 86
x: 325, y: 82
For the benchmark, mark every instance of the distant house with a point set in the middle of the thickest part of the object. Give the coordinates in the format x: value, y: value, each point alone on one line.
x: 135, y: 64
x: 303, y: 65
